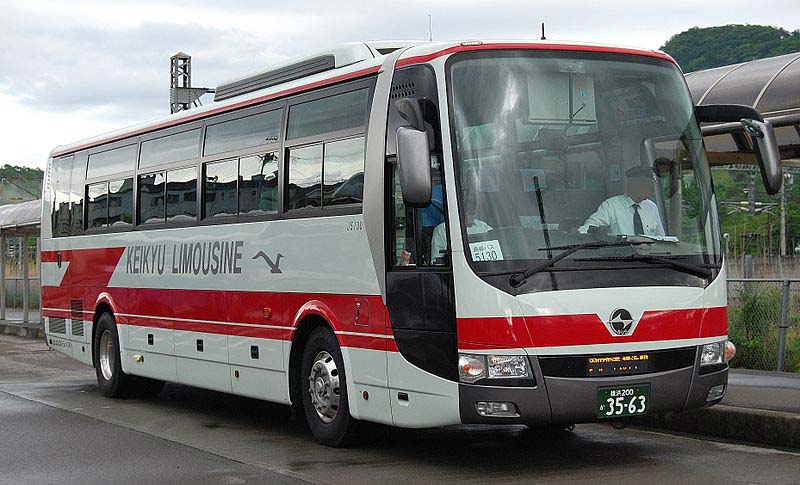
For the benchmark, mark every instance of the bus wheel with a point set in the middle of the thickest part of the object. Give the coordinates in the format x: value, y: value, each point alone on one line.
x: 112, y: 381
x: 324, y: 392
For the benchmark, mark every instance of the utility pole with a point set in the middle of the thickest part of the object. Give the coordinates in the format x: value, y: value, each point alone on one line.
x: 783, y: 215
x: 182, y: 95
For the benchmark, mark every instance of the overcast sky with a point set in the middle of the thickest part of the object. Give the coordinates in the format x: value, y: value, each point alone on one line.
x: 74, y: 69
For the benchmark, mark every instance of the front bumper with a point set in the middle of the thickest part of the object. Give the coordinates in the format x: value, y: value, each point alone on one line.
x: 555, y: 400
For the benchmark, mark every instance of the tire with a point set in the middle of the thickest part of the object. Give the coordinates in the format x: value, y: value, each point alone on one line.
x: 107, y: 362
x: 324, y: 392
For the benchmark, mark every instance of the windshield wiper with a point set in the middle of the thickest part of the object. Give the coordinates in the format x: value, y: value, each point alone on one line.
x: 687, y: 268
x: 519, y: 278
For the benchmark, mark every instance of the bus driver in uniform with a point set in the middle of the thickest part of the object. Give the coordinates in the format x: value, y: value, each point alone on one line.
x: 631, y: 213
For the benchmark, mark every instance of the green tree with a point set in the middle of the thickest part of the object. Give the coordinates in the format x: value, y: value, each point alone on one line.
x: 704, y: 48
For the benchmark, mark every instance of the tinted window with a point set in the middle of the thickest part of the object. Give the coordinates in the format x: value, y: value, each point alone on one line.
x: 97, y: 205
x: 252, y: 131
x: 61, y: 172
x: 258, y: 184
x: 112, y: 161
x: 172, y: 148
x: 338, y: 112
x: 120, y: 202
x: 76, y: 194
x: 182, y: 194
x: 344, y: 172
x: 305, y: 176
x: 220, y: 189
x: 151, y: 198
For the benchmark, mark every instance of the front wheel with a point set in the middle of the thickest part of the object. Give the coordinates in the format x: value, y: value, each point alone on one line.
x: 324, y: 391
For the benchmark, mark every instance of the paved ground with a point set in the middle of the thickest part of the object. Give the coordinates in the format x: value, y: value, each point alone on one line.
x: 53, y: 422
x: 775, y: 391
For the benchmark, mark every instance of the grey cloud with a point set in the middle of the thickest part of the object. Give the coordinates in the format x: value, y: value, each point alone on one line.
x: 67, y: 64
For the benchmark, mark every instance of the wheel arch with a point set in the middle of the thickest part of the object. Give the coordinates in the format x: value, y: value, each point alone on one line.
x: 303, y: 329
x: 105, y: 304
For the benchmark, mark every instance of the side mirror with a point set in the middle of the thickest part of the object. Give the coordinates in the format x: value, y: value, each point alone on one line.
x: 769, y: 158
x: 760, y: 131
x: 414, y: 161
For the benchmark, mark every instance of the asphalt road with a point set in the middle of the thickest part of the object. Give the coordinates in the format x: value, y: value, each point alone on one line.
x: 56, y: 427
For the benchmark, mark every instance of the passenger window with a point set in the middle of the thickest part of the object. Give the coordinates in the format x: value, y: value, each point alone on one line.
x: 97, y: 205
x: 76, y: 194
x: 343, y: 172
x: 109, y: 162
x: 151, y: 198
x: 182, y: 194
x: 220, y: 189
x: 334, y: 113
x: 120, y: 203
x: 305, y: 177
x: 258, y: 184
x: 248, y: 132
x: 61, y: 173
x: 172, y: 148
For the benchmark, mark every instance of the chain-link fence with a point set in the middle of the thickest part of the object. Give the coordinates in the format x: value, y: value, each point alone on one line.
x: 764, y: 323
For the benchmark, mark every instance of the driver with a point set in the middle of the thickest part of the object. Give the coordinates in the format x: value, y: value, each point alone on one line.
x: 631, y: 213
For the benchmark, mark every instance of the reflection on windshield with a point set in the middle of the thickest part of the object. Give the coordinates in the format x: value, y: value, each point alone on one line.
x: 555, y: 152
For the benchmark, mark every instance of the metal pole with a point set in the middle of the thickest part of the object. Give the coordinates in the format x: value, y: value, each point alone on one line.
x: 3, y: 277
x: 783, y: 326
x: 25, y: 281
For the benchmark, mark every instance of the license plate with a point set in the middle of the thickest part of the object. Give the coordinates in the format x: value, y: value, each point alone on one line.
x: 616, y: 402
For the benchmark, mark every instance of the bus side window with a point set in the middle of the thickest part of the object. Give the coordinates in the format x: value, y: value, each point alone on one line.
x: 62, y: 170
x: 419, y: 236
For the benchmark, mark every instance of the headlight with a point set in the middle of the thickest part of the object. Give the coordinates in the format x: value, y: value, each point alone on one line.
x: 474, y: 367
x: 508, y: 366
x: 713, y: 353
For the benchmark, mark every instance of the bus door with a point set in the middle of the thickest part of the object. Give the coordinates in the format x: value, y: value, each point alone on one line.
x: 419, y: 277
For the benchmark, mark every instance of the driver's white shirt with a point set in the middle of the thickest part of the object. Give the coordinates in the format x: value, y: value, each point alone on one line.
x: 439, y: 238
x: 617, y: 213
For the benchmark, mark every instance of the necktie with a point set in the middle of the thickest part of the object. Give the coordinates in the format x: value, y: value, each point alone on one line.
x: 637, y: 220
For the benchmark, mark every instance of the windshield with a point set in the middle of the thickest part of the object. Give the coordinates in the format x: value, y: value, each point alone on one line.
x: 554, y: 149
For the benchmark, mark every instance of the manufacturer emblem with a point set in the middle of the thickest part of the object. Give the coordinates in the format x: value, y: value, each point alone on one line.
x: 620, y: 322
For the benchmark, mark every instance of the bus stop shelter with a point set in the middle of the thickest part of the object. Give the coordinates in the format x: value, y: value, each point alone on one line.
x: 21, y: 221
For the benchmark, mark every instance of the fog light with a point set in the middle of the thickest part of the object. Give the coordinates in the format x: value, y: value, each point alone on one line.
x: 497, y: 408
x: 715, y: 393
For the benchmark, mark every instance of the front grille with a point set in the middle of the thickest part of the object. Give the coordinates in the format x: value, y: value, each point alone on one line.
x: 659, y: 361
x: 57, y: 325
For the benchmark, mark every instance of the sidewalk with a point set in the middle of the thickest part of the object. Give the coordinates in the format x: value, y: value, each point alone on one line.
x: 13, y: 324
x: 759, y: 406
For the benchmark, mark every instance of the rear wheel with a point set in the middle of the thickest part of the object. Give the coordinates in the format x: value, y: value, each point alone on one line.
x: 324, y: 391
x: 108, y: 367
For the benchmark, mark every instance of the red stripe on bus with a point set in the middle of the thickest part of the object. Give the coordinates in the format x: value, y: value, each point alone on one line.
x: 533, y: 46
x: 223, y: 109
x: 589, y: 329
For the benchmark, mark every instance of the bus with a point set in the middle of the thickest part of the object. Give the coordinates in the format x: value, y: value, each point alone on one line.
x: 413, y: 234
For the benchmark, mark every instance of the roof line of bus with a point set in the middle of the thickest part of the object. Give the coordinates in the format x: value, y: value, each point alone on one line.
x: 360, y: 69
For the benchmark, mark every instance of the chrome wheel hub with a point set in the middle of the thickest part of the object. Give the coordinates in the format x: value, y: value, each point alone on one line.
x: 107, y: 355
x: 323, y: 386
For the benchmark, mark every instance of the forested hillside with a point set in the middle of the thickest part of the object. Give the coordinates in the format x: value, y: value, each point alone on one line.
x: 704, y: 48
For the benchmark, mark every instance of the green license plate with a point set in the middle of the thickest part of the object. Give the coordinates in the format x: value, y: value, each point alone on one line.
x: 615, y: 402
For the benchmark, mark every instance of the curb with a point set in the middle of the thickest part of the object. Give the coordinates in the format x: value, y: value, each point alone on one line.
x: 27, y: 331
x: 754, y: 425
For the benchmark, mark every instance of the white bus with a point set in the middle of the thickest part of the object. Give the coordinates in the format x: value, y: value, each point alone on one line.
x: 410, y: 234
